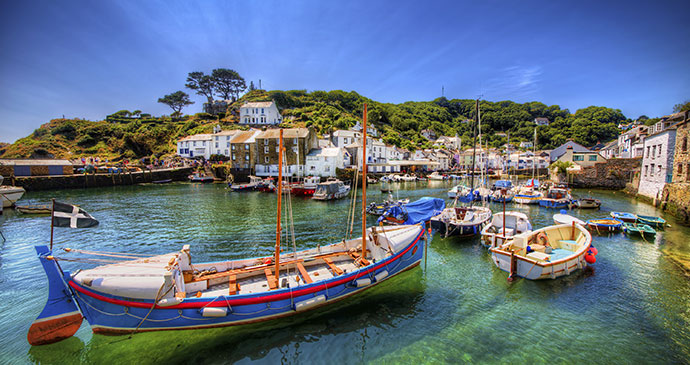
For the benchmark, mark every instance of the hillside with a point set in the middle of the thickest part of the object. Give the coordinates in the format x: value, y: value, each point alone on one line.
x: 123, y: 136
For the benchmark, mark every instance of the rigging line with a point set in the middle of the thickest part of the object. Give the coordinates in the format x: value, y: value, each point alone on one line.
x: 104, y: 252
x: 354, y: 203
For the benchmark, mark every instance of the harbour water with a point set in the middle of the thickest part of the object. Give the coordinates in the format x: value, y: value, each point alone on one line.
x: 631, y: 306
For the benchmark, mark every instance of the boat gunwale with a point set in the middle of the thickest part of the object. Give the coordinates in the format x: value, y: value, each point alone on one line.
x: 575, y: 254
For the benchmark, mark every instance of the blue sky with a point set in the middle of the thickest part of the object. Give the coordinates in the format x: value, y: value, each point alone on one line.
x: 88, y: 59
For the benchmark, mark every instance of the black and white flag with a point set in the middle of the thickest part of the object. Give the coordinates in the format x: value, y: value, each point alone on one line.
x: 67, y: 215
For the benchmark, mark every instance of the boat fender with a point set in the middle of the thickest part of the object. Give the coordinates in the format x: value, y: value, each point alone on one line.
x: 590, y: 258
x: 362, y: 282
x: 214, y: 312
x: 593, y: 250
x: 167, y: 302
x: 309, y: 303
x: 380, y: 276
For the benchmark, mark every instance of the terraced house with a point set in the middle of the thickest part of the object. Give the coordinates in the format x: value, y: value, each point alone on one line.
x: 243, y: 150
x: 297, y: 142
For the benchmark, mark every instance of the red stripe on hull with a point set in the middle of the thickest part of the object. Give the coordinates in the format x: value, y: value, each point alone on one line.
x: 54, y: 329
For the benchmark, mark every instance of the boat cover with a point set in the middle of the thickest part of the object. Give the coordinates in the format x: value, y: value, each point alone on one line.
x: 503, y: 184
x: 419, y: 211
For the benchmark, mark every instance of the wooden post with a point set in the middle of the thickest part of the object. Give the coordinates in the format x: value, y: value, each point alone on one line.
x: 52, y: 217
x: 503, y: 192
x: 364, y: 184
x: 280, y: 193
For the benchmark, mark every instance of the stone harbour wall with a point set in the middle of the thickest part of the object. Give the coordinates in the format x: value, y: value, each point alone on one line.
x: 675, y: 199
x: 31, y: 183
x: 612, y: 174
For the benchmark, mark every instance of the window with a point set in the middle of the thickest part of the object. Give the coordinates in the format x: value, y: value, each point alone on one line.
x: 233, y: 147
x: 647, y: 151
x: 680, y: 169
x: 651, y: 170
x: 227, y: 144
x: 266, y: 150
x: 266, y: 160
x: 262, y: 110
x: 646, y: 168
x: 575, y: 158
x: 593, y: 157
x: 217, y: 152
x: 216, y: 138
x: 246, y: 166
x: 277, y: 149
x: 216, y: 144
x: 246, y: 146
x: 194, y: 143
x: 653, y: 151
x: 233, y: 157
x: 685, y: 144
x: 226, y: 152
x: 266, y: 142
x: 227, y: 138
x: 295, y: 149
x: 246, y: 157
x: 328, y: 168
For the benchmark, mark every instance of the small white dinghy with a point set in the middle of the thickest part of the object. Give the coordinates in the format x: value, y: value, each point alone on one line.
x: 563, y: 218
x: 494, y: 234
x: 546, y: 253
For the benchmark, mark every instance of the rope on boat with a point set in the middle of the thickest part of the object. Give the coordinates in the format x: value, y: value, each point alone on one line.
x: 155, y: 301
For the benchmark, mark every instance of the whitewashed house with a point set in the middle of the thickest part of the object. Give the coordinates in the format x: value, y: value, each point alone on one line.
x: 526, y: 144
x: 323, y: 161
x: 260, y: 113
x: 221, y: 142
x: 371, y: 131
x: 657, y: 163
x: 453, y: 143
x: 198, y: 145
x: 342, y: 138
x: 541, y: 121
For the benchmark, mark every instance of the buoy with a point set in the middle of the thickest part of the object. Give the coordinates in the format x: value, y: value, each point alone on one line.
x: 593, y: 250
x: 590, y: 259
x: 267, y: 261
x: 563, y: 211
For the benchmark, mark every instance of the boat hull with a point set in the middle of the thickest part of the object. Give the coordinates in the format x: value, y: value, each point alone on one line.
x: 530, y: 269
x: 553, y: 203
x: 527, y: 199
x: 108, y: 314
x: 10, y: 195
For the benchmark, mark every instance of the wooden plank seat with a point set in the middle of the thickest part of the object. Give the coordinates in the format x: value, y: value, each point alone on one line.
x: 303, y: 272
x: 336, y: 270
x: 272, y: 282
x: 358, y: 259
x: 233, y: 287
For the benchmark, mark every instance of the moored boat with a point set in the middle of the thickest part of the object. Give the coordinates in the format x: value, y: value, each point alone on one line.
x: 656, y: 222
x: 380, y: 208
x: 624, y: 216
x: 461, y: 221
x: 585, y: 203
x: 494, y: 233
x: 307, y: 187
x: 10, y: 194
x: 499, y: 197
x: 640, y: 229
x: 199, y: 178
x: 601, y: 225
x: 556, y: 198
x: 563, y: 218
x: 546, y: 253
x: 253, y: 184
x: 34, y: 208
x: 330, y: 190
x: 412, y: 213
x: 436, y: 176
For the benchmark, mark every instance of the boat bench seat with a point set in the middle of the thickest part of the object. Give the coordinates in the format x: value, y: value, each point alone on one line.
x: 539, y: 256
x: 537, y: 248
x: 509, y: 232
x: 569, y: 245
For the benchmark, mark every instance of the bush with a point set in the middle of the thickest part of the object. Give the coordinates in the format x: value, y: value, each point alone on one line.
x: 217, y: 158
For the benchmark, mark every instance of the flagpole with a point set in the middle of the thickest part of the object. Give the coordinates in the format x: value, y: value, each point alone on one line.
x: 52, y: 217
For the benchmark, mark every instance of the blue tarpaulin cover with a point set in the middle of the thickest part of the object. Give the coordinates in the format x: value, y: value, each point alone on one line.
x: 503, y: 184
x: 419, y: 211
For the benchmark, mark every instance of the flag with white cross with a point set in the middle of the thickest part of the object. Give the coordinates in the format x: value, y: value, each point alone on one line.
x: 67, y: 215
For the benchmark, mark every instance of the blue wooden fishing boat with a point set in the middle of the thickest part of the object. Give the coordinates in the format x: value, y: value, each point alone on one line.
x: 604, y: 225
x: 556, y: 198
x: 624, y: 216
x: 656, y: 222
x: 638, y: 229
x: 168, y: 291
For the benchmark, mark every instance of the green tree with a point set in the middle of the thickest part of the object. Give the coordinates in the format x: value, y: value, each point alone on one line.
x: 228, y: 83
x: 681, y: 107
x: 251, y: 86
x: 176, y: 101
x: 202, y: 84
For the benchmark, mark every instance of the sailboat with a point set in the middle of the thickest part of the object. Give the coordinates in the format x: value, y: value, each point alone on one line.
x: 529, y: 192
x: 464, y: 221
x: 172, y: 292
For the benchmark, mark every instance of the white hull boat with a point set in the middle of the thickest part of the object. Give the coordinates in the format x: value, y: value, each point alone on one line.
x: 493, y: 234
x: 10, y: 195
x: 546, y: 253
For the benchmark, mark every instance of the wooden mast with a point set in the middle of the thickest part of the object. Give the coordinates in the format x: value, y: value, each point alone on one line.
x: 364, y: 184
x: 280, y: 194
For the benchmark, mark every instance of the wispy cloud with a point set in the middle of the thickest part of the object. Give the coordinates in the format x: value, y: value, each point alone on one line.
x: 514, y: 82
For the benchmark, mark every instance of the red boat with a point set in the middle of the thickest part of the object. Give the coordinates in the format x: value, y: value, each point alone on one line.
x: 307, y: 187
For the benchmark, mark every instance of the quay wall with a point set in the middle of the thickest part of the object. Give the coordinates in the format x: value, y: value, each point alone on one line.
x: 32, y: 183
x: 615, y: 173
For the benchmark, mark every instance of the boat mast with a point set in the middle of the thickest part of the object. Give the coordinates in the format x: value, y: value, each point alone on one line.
x: 474, y: 146
x: 534, y: 154
x: 364, y: 183
x: 280, y: 194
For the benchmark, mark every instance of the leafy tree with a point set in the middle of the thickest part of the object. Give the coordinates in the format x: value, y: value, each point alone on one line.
x: 136, y: 113
x: 681, y: 107
x: 176, y: 101
x: 251, y: 86
x: 228, y: 83
x: 202, y: 84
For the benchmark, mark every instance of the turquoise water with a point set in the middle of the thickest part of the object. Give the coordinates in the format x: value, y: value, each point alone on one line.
x: 629, y: 307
